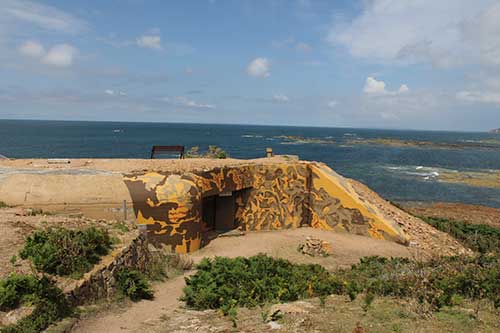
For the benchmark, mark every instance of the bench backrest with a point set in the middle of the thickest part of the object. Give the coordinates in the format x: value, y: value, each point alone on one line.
x: 167, y: 149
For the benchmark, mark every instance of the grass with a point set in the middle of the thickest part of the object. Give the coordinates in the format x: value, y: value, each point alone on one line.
x: 338, y: 315
x: 3, y: 205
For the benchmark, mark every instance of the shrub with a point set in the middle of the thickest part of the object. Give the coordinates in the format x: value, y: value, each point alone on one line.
x: 212, y: 152
x: 48, y: 300
x: 3, y: 205
x: 478, y: 237
x: 63, y: 252
x: 224, y: 283
x: 133, y: 284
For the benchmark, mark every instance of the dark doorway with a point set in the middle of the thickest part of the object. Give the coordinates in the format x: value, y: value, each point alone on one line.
x: 219, y: 211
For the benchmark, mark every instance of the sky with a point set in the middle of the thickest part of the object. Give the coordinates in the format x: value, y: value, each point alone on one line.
x: 408, y: 64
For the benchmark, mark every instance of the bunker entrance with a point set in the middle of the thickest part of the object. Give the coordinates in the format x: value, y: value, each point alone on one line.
x: 219, y: 212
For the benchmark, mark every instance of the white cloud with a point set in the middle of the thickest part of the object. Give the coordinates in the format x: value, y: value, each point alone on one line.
x: 183, y: 101
x: 332, y: 104
x: 112, y: 92
x: 403, y: 88
x: 444, y: 33
x: 303, y: 47
x: 43, y: 16
x: 32, y: 49
x: 376, y: 87
x: 150, y: 41
x: 478, y: 96
x: 60, y: 55
x: 259, y: 67
x: 372, y: 86
x: 281, y: 98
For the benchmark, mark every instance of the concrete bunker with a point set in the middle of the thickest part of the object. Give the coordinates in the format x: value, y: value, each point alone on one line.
x: 186, y: 210
x: 179, y: 208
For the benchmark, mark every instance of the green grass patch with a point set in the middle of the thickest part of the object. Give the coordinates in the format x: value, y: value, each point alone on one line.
x: 3, y: 205
x: 478, y: 237
x: 49, y: 302
x: 66, y: 252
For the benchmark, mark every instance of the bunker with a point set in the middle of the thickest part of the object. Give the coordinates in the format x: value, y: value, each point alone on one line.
x: 183, y: 203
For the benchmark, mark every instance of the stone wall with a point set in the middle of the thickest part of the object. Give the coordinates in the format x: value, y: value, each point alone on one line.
x: 100, y: 282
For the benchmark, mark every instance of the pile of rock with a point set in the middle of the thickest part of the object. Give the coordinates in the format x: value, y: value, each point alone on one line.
x: 316, y: 247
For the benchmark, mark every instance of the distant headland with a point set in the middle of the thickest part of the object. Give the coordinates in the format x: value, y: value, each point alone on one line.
x: 495, y: 131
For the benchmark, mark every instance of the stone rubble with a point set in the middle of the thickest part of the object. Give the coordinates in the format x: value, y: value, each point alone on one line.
x: 316, y: 247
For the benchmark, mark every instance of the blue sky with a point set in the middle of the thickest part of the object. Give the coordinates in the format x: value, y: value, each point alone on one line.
x: 418, y: 64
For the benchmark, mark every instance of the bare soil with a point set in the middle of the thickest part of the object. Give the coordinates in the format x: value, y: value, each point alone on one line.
x: 16, y: 225
x: 131, y: 165
x: 456, y: 211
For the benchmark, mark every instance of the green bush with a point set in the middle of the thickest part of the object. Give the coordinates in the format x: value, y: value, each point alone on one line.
x: 3, y: 205
x: 133, y: 284
x: 212, y: 152
x: 435, y: 282
x: 478, y: 237
x: 48, y: 300
x: 63, y: 252
x: 224, y: 283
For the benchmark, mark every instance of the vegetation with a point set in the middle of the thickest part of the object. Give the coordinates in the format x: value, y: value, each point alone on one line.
x: 3, y: 205
x: 66, y: 252
x: 212, y: 152
x: 133, y: 284
x: 224, y: 283
x: 49, y: 303
x: 478, y: 237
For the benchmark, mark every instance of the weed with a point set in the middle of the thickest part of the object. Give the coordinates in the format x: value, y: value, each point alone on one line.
x: 13, y: 259
x: 66, y: 252
x: 368, y: 300
x: 121, y: 227
x: 322, y: 301
x: 133, y: 284
x: 3, y: 205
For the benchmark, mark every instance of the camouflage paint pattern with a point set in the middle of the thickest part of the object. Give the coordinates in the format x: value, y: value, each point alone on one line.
x: 267, y: 197
x: 335, y: 205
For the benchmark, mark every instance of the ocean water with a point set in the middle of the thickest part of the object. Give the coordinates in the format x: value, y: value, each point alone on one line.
x: 397, y: 173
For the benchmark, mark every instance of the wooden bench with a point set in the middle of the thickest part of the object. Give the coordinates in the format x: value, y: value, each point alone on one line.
x: 167, y: 150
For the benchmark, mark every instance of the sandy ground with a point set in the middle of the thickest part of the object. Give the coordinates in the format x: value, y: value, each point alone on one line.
x: 456, y: 211
x: 347, y: 249
x: 16, y: 225
x: 131, y: 165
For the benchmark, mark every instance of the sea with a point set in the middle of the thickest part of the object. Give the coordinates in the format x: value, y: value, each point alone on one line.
x: 397, y: 173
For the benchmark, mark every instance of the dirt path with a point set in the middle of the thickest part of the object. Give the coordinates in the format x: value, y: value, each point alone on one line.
x: 138, y: 316
x: 147, y: 316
